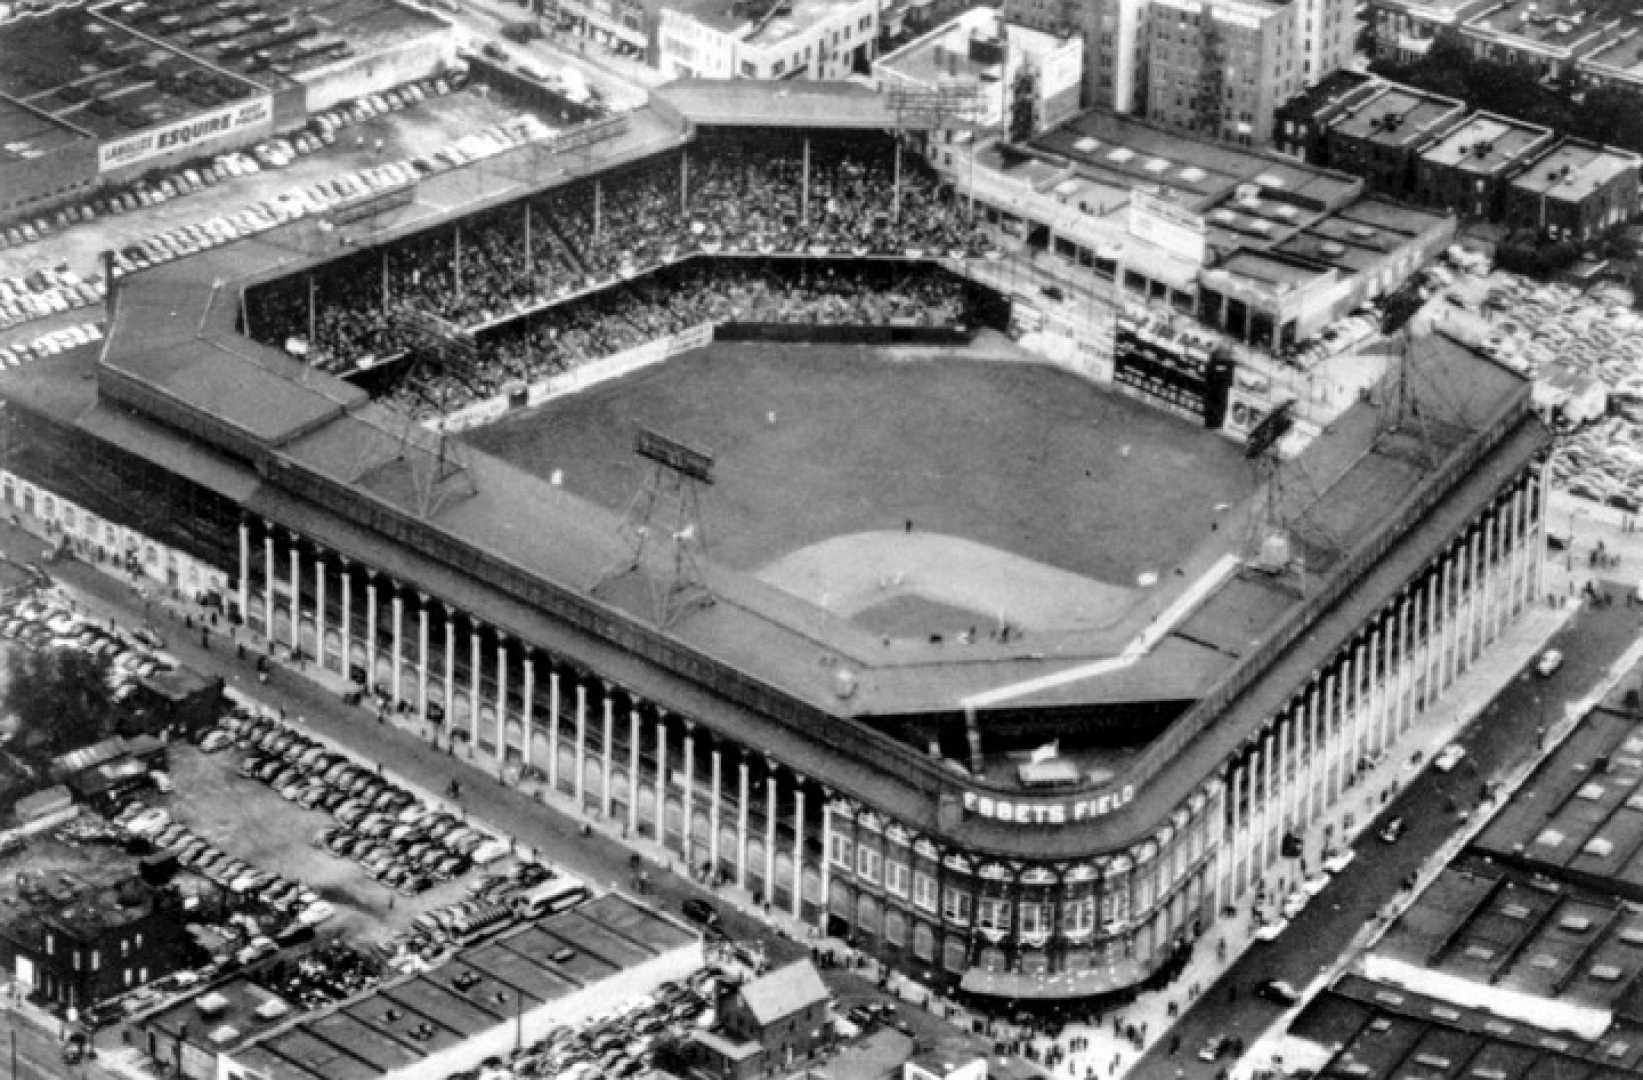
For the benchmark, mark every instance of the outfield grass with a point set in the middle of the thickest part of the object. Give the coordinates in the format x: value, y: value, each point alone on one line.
x: 1022, y: 457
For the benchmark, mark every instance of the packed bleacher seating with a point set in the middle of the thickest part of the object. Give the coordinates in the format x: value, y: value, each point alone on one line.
x: 709, y: 290
x: 761, y: 196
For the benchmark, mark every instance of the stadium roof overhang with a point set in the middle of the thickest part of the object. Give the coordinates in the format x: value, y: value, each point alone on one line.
x: 746, y: 103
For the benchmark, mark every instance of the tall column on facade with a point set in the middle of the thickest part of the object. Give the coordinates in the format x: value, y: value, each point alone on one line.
x: 1294, y: 713
x: 742, y: 795
x: 371, y: 630
x: 1269, y: 746
x: 398, y: 667
x: 501, y: 697
x: 476, y: 669
x: 320, y: 651
x: 345, y: 582
x: 1240, y: 825
x: 688, y: 798
x: 1491, y: 572
x: 1314, y: 754
x: 633, y: 770
x: 553, y: 729
x: 798, y: 847
x: 296, y: 594
x: 1515, y: 585
x: 1382, y: 677
x: 1474, y: 596
x: 1406, y: 661
x: 1361, y: 697
x: 1329, y: 746
x: 661, y: 777
x: 1538, y: 513
x: 450, y: 669
x: 1451, y: 616
x: 422, y: 656
x: 609, y: 752
x: 579, y: 781
x: 826, y: 869
x: 527, y: 719
x: 245, y: 570
x: 770, y: 830
x: 1531, y: 556
x: 268, y: 583
x: 716, y: 778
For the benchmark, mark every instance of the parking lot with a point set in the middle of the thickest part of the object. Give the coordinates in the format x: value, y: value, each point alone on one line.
x: 418, y: 129
x: 248, y: 820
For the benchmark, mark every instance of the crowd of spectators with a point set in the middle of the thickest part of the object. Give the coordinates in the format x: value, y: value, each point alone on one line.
x: 631, y: 313
x: 733, y: 197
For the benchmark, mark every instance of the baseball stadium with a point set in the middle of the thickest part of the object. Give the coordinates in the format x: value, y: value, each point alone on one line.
x: 691, y: 471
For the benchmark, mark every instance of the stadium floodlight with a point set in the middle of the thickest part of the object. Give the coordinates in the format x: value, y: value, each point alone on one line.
x: 678, y: 473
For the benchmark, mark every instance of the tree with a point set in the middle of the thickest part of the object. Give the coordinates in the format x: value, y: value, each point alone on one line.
x: 1024, y: 105
x: 61, y: 698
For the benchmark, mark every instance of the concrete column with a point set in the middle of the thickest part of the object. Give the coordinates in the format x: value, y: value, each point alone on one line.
x: 398, y: 669
x: 826, y: 857
x: 1473, y: 598
x: 661, y: 777
x: 1332, y: 738
x: 579, y: 782
x: 1406, y: 665
x: 1360, y: 707
x: 245, y: 569
x: 422, y: 656
x: 501, y: 697
x: 553, y: 729
x: 371, y: 630
x: 633, y: 771
x: 770, y: 831
x: 741, y: 821
x: 1268, y: 797
x: 687, y: 800
x: 1521, y: 560
x: 1537, y: 535
x: 476, y: 669
x: 1382, y: 675
x: 1447, y: 611
x: 1290, y: 773
x: 268, y: 583
x: 1314, y: 754
x: 527, y: 721
x: 345, y: 582
x: 798, y: 848
x: 1492, y: 567
x: 296, y: 595
x: 450, y: 669
x: 717, y: 780
x: 319, y: 607
x: 610, y: 751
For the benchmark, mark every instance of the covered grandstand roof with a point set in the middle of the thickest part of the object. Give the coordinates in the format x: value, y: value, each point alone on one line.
x: 754, y: 104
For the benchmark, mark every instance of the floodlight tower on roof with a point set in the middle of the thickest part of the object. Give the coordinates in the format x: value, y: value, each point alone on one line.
x: 947, y: 106
x: 677, y: 474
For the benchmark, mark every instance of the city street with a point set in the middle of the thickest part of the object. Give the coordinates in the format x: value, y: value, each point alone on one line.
x: 1502, y: 736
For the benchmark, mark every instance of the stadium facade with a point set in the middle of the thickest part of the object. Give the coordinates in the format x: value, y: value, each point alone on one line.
x: 765, y: 744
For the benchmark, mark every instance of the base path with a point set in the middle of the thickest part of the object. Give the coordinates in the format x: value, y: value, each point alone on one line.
x: 850, y: 574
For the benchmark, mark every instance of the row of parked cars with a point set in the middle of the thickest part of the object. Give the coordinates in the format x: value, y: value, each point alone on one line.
x: 393, y: 835
x: 322, y: 196
x: 619, y: 1045
x: 46, y: 291
x: 280, y: 896
x: 51, y: 343
x: 36, y: 623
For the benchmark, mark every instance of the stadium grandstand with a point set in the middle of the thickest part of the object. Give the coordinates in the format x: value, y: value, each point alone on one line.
x: 1011, y: 679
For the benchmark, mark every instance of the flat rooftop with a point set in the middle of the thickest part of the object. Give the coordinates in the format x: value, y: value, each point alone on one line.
x: 749, y: 103
x: 1380, y: 1032
x: 1396, y: 116
x: 29, y: 133
x: 1128, y: 153
x: 1361, y: 235
x: 1574, y: 170
x: 944, y: 53
x: 1624, y: 53
x: 481, y: 987
x: 749, y: 22
x: 98, y: 76
x: 1542, y: 25
x: 1569, y: 820
x: 270, y: 44
x: 1486, y: 144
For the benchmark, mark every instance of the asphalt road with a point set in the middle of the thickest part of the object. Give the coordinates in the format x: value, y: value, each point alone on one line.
x: 1503, y: 735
